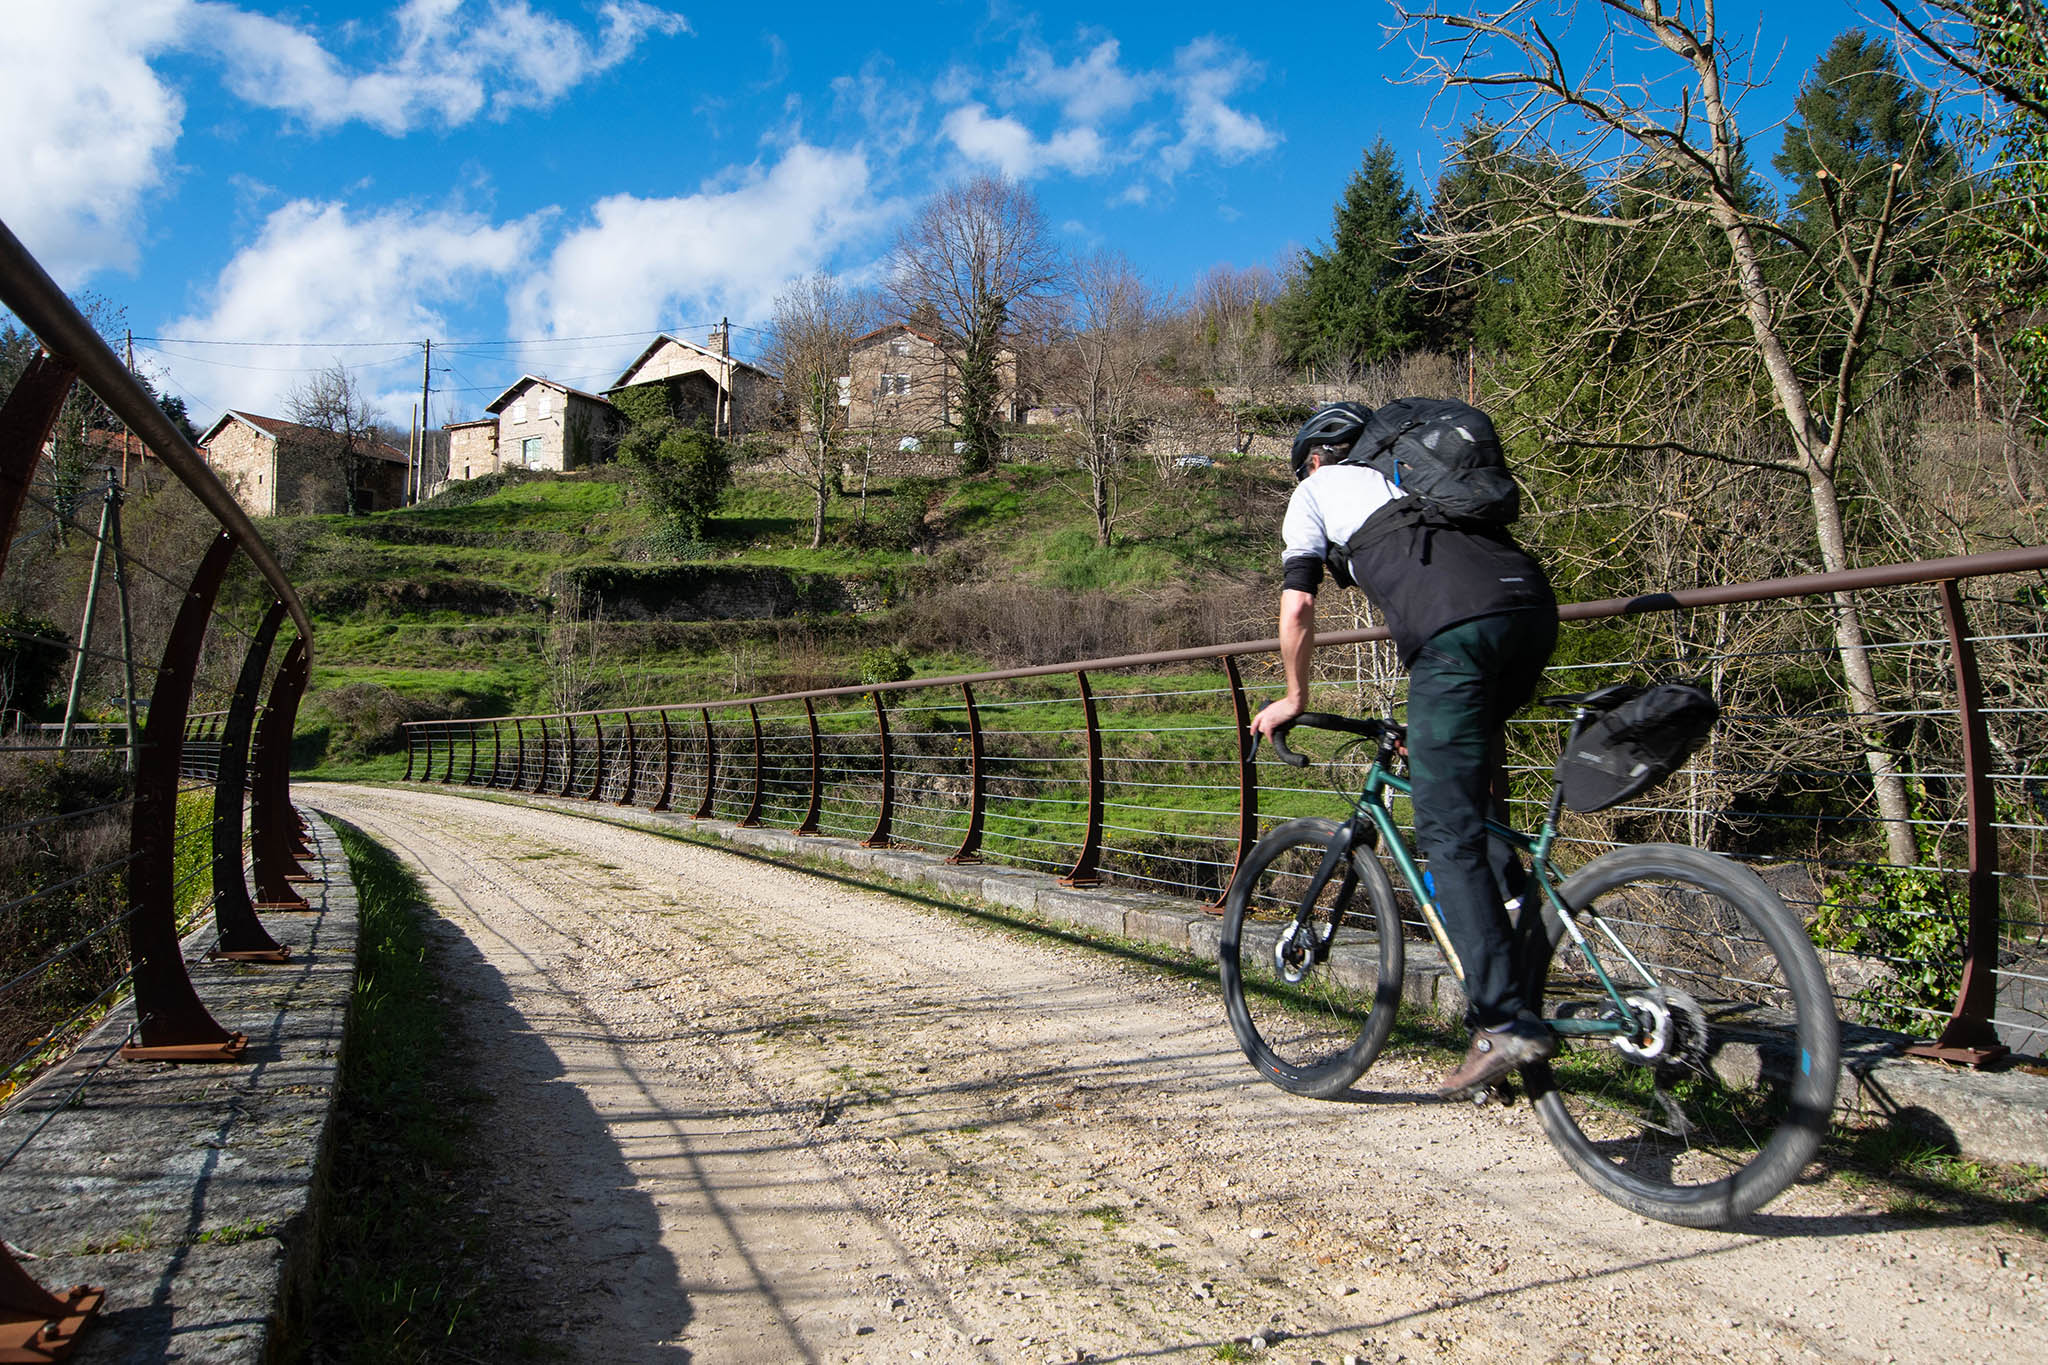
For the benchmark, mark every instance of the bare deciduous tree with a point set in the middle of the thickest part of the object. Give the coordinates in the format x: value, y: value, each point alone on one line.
x: 1712, y: 289
x: 340, y: 428
x: 1105, y: 365
x: 816, y: 323
x: 574, y: 639
x: 976, y: 254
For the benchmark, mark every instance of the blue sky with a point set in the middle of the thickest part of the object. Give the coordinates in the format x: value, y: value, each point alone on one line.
x: 540, y: 185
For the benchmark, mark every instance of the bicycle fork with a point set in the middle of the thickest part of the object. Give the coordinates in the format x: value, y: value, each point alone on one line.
x: 1299, y: 947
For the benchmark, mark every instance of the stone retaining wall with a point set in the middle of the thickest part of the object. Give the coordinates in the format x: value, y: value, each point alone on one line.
x: 192, y: 1192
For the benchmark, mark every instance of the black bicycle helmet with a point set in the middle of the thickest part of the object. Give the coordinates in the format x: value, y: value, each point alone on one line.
x: 1338, y: 424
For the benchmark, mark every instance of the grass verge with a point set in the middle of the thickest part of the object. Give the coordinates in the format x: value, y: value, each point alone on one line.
x: 402, y: 1276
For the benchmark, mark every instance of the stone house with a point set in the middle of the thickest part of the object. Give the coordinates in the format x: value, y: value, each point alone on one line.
x: 279, y: 468
x: 472, y: 448
x: 902, y: 381
x: 742, y: 396
x: 545, y: 425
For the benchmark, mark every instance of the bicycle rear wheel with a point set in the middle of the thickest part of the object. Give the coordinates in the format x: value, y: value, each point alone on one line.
x: 1725, y: 1101
x: 1310, y: 1015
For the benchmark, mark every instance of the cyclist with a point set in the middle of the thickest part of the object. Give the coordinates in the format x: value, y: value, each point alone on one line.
x: 1474, y: 621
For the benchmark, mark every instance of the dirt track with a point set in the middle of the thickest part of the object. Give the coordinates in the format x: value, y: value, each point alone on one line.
x: 749, y: 1114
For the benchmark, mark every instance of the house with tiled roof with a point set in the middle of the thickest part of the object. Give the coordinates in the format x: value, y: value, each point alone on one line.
x: 279, y: 468
x: 900, y: 379
x: 544, y: 424
x: 739, y: 397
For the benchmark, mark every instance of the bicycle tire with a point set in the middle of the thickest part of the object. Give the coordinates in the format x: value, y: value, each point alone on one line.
x: 1317, y: 1035
x: 1737, y: 1107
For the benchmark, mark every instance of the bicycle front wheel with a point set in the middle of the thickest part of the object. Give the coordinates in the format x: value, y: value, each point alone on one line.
x: 1311, y: 1000
x: 1723, y: 1098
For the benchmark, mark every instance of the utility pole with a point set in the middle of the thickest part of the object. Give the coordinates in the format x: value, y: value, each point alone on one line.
x: 413, y: 458
x: 725, y: 371
x: 92, y: 600
x: 426, y: 381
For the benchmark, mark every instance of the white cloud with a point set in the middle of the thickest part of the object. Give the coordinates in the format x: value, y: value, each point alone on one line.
x: 319, y: 271
x: 1007, y: 145
x: 730, y: 248
x: 1207, y: 74
x: 1107, y: 116
x: 1088, y: 89
x: 89, y: 128
x: 450, y: 65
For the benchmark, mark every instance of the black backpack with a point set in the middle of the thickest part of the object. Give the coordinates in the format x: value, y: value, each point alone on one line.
x: 1643, y: 739
x: 1443, y: 452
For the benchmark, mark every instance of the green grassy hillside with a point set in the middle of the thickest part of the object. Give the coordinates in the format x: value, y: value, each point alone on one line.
x: 457, y: 606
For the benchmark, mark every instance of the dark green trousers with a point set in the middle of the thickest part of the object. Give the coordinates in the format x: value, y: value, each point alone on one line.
x: 1462, y: 687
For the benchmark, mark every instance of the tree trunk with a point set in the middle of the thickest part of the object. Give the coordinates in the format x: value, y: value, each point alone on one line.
x: 1817, y: 456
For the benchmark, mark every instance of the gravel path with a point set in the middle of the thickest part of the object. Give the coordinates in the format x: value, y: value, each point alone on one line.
x: 742, y: 1113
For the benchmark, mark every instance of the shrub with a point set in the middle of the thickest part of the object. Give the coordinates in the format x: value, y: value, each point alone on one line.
x: 884, y: 664
x: 682, y: 471
x: 1911, y: 919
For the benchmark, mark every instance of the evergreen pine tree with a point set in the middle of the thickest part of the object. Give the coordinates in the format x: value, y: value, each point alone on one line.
x: 1855, y: 118
x: 1355, y: 303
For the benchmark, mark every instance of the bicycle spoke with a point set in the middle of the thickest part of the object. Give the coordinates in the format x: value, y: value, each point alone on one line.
x: 1712, y: 1107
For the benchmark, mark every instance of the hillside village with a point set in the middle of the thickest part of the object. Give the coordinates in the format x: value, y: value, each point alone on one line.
x: 902, y: 387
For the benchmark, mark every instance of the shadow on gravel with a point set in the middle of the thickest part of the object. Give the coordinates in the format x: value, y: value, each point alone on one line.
x: 579, y: 1268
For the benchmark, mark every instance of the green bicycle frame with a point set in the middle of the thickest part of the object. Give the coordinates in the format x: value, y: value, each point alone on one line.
x: 1372, y: 807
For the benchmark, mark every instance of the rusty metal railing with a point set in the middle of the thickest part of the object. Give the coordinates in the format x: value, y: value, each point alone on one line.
x: 1136, y: 769
x: 111, y: 852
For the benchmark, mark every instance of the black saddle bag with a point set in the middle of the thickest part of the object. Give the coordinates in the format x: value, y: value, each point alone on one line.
x: 1639, y: 742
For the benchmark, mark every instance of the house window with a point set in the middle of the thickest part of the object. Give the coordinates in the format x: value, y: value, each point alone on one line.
x: 547, y: 405
x: 529, y: 451
x: 519, y: 410
x: 898, y: 384
x: 900, y: 346
x: 845, y: 382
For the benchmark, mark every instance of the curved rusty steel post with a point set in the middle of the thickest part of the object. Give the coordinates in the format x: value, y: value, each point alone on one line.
x: 294, y: 832
x: 810, y: 820
x: 518, y: 755
x: 1084, y: 872
x: 1969, y: 1036
x: 171, y: 1023
x: 885, y: 820
x: 710, y: 767
x: 977, y: 794
x: 411, y: 741
x: 1247, y: 781
x: 271, y: 818
x: 26, y: 421
x: 568, y: 755
x: 752, y: 818
x: 630, y: 787
x: 469, y: 779
x: 497, y: 753
x: 597, y: 773
x: 668, y: 767
x: 242, y: 936
x: 447, y: 730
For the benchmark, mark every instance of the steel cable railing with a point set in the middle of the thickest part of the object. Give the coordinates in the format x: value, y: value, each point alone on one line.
x: 1137, y: 770
x: 148, y: 708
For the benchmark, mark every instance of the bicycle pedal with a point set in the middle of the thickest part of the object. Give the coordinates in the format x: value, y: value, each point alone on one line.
x: 1501, y: 1093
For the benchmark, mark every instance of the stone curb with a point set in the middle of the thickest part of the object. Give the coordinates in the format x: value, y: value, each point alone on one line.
x: 1999, y: 1115
x: 193, y: 1191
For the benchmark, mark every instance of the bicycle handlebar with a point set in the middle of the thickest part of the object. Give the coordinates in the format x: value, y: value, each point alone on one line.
x: 1366, y: 727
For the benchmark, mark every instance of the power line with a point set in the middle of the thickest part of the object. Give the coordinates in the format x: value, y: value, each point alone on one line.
x: 414, y: 341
